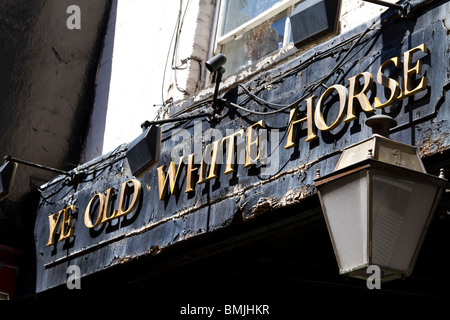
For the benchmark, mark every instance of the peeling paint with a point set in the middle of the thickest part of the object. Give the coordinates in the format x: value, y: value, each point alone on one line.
x: 435, y: 140
x: 266, y: 204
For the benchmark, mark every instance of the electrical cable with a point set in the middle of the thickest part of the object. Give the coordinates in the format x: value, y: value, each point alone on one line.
x: 175, y: 36
x: 260, y: 99
x: 179, y: 27
x: 308, y: 62
x: 167, y: 59
x: 169, y: 120
x: 312, y: 87
x: 92, y: 168
x: 261, y: 113
x: 192, y: 107
x: 308, y: 90
x: 175, y: 57
x: 337, y: 49
x: 200, y: 63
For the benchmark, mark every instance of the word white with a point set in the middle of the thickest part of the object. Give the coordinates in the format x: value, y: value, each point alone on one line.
x: 255, y: 144
x: 373, y: 281
x: 74, y: 279
x: 248, y: 147
x: 74, y: 21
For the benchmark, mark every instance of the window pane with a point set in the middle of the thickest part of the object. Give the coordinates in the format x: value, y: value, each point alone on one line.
x: 255, y: 44
x: 238, y: 12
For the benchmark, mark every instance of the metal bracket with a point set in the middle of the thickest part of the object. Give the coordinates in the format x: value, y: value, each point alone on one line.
x: 35, y: 165
x: 402, y: 8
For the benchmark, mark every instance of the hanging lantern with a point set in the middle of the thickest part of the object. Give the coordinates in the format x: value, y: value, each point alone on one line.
x: 378, y: 204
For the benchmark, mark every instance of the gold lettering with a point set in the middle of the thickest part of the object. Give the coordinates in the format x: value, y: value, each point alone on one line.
x: 87, y: 213
x: 361, y: 96
x: 66, y: 225
x: 216, y: 145
x: 189, y: 172
x: 310, y: 101
x: 252, y: 147
x: 107, y: 209
x: 408, y: 72
x: 171, y: 178
x: 231, y: 143
x: 137, y: 190
x: 203, y: 165
x: 318, y: 114
x: 387, y: 82
x: 53, y: 221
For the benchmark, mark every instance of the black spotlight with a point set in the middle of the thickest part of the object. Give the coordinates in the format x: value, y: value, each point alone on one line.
x: 313, y: 19
x: 144, y: 152
x: 216, y: 62
x: 7, y: 174
x: 215, y: 65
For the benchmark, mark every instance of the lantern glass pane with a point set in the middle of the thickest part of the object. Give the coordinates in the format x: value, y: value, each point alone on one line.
x: 346, y: 202
x: 400, y: 211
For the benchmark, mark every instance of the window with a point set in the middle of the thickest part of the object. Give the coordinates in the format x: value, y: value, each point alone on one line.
x: 248, y: 30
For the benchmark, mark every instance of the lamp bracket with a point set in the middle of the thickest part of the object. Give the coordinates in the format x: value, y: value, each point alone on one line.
x: 35, y: 165
x: 146, y: 123
x: 404, y: 9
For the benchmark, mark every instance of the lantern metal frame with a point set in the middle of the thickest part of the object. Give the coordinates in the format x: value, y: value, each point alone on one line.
x: 371, y: 165
x: 379, y: 157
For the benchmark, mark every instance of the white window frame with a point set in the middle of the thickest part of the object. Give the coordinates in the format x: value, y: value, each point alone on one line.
x: 238, y: 32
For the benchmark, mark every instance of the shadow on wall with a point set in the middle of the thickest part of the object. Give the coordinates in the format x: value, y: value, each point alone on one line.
x: 96, y: 130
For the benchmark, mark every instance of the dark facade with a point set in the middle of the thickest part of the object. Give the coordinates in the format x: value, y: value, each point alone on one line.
x: 47, y: 85
x: 255, y: 233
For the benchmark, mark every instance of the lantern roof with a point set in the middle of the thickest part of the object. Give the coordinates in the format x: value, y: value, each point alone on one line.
x: 380, y: 147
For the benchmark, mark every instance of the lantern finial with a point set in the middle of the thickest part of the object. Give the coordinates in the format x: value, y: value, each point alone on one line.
x: 381, y: 124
